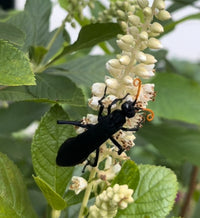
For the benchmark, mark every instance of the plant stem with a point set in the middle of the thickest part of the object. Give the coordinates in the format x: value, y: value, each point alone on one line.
x: 40, y: 69
x: 56, y: 34
x: 87, y: 193
x: 55, y: 213
x: 193, y: 181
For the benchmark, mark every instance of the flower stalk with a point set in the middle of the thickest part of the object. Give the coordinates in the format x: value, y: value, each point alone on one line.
x: 127, y: 70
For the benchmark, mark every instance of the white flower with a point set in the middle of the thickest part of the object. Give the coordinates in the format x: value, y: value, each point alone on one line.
x: 154, y: 43
x: 78, y: 184
x: 94, y: 102
x: 89, y: 119
x: 144, y: 71
x: 98, y: 89
x: 109, y: 173
x: 125, y: 139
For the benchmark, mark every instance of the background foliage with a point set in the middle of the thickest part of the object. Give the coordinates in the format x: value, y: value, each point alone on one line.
x: 39, y: 71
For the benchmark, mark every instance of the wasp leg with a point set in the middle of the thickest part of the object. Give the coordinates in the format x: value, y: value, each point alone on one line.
x: 101, y: 105
x: 75, y: 123
x: 94, y: 164
x: 117, y: 144
x: 115, y: 101
x: 131, y: 129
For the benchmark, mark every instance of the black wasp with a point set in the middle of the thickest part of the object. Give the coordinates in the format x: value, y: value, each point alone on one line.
x: 76, y: 149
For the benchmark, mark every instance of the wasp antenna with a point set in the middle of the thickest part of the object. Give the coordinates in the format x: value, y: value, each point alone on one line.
x: 137, y: 82
x: 150, y: 116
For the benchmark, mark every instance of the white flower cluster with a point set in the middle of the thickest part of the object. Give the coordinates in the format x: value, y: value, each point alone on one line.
x: 133, y: 63
x: 108, y: 202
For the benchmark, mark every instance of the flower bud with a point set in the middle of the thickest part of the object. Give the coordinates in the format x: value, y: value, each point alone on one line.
x: 140, y: 56
x: 163, y: 15
x: 121, y: 14
x: 160, y: 4
x: 150, y: 59
x: 134, y: 20
x: 143, y: 35
x: 128, y: 80
x: 143, y: 3
x: 114, y: 63
x: 147, y: 11
x: 112, y: 83
x: 124, y: 26
x: 127, y: 39
x: 126, y: 5
x: 123, y: 46
x: 156, y: 27
x: 116, y: 72
x: 144, y: 71
x: 132, y: 9
x: 154, y: 43
x: 98, y: 89
x: 133, y: 30
x: 125, y: 60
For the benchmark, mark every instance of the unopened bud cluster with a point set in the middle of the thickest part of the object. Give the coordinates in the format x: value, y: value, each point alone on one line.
x: 75, y: 8
x: 108, y: 202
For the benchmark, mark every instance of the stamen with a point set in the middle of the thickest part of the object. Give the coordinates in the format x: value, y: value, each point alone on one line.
x: 139, y: 83
x: 149, y: 116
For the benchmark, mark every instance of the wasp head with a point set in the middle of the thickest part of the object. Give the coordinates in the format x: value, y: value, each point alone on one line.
x: 129, y: 109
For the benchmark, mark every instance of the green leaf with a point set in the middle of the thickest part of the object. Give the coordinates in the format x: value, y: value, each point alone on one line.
x: 37, y: 54
x: 54, y: 199
x: 19, y: 115
x: 17, y: 149
x: 177, y: 98
x: 91, y: 35
x: 39, y: 11
x: 49, y: 88
x: 129, y: 175
x: 57, y: 88
x: 48, y: 138
x: 85, y: 70
x: 24, y: 22
x: 15, y: 93
x: 13, y: 196
x: 15, y: 68
x: 64, y: 4
x: 174, y: 142
x: 177, y: 5
x: 11, y: 33
x: 155, y: 193
x: 71, y: 198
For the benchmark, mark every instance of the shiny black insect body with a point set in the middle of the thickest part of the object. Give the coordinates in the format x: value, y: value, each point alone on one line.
x: 75, y: 150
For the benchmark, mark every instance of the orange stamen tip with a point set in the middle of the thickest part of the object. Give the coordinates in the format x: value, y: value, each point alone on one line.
x: 137, y: 82
x: 150, y: 116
